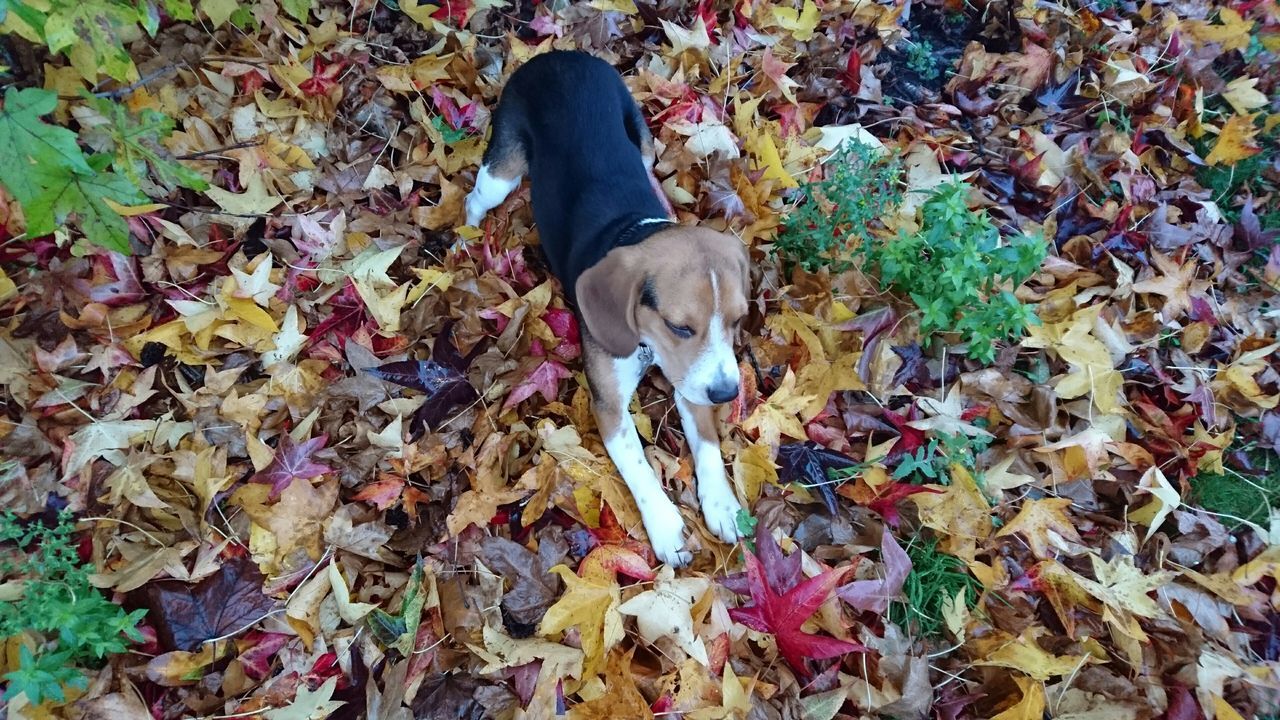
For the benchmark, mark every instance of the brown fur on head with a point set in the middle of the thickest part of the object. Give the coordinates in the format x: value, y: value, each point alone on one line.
x: 683, y: 293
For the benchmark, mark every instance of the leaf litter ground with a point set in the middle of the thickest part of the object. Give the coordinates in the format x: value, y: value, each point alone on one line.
x: 351, y: 471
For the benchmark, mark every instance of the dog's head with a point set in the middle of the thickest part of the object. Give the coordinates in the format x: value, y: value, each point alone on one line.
x: 683, y: 293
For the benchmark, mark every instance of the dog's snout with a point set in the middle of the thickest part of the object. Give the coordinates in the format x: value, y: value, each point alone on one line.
x: 722, y: 392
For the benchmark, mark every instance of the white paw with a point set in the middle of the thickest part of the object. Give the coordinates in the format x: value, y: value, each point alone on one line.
x: 720, y: 512
x: 475, y: 213
x: 666, y: 534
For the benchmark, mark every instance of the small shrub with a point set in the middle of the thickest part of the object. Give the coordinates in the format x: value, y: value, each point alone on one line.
x: 65, y: 622
x: 961, y: 273
x: 827, y: 228
x: 935, y: 578
x: 921, y: 59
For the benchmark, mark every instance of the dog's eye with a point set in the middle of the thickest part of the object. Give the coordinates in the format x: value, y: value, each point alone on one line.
x: 680, y: 331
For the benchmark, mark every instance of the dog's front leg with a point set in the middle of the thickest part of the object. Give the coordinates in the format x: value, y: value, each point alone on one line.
x: 613, y: 382
x: 719, y: 505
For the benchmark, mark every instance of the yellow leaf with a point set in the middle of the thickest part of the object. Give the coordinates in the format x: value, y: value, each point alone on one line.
x: 1235, y: 142
x: 626, y: 7
x: 133, y: 210
x: 752, y: 468
x: 1243, y: 96
x: 420, y: 13
x: 429, y: 279
x: 960, y: 513
x: 777, y: 416
x: 1121, y: 586
x: 591, y: 605
x: 246, y: 310
x: 1223, y: 711
x: 1154, y: 482
x: 800, y: 23
x: 1233, y: 32
x: 1039, y: 521
x: 759, y: 143
x: 1026, y: 656
x: 1031, y: 706
x: 8, y: 288
x: 695, y: 38
x: 1092, y: 370
x: 666, y: 611
x: 384, y: 309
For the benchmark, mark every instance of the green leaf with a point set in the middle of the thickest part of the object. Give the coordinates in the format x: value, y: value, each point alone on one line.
x: 135, y: 140
x: 218, y: 11
x: 64, y: 193
x: 299, y: 9
x: 92, y: 33
x: 27, y: 141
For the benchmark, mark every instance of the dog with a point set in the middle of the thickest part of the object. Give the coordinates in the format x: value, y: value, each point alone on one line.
x: 647, y: 291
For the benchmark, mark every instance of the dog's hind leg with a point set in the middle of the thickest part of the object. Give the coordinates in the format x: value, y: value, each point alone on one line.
x: 505, y: 162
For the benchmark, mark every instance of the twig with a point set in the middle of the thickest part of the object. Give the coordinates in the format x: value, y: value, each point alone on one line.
x: 121, y: 92
x: 215, y: 151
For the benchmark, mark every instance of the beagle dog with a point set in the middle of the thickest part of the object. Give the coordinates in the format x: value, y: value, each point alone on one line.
x: 647, y: 290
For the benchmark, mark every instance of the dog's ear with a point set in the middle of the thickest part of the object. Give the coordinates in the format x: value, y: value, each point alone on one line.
x: 608, y: 294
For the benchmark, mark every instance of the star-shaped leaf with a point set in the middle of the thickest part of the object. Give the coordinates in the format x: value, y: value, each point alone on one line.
x: 783, y: 614
x: 292, y: 462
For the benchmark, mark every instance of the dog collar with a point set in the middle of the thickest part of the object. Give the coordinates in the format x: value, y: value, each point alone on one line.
x: 639, y: 230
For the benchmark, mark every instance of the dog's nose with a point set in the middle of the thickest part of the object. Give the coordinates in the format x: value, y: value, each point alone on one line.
x: 722, y: 393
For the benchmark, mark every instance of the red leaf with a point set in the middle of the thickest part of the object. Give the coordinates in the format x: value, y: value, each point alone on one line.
x: 292, y: 462
x: 911, y: 437
x: 887, y: 503
x: 783, y: 615
x: 259, y: 660
x: 324, y: 77
x: 383, y: 492
x: 564, y: 325
x: 615, y: 559
x: 545, y: 379
x: 852, y: 75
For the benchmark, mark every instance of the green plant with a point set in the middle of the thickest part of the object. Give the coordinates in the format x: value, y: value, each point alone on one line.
x: 960, y: 272
x: 1236, y: 497
x: 935, y: 579
x: 825, y: 229
x: 922, y: 61
x: 93, y: 33
x: 44, y: 169
x: 65, y: 622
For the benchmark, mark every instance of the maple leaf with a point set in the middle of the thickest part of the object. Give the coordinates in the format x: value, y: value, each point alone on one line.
x: 1177, y: 284
x: 666, y: 611
x: 1043, y: 523
x: 874, y: 595
x: 226, y: 602
x: 1235, y: 142
x: 783, y: 614
x: 776, y: 416
x: 807, y: 464
x: 543, y: 379
x: 446, y: 388
x: 590, y: 604
x: 1025, y: 655
x: 292, y: 461
x: 103, y: 439
x: 309, y: 704
x: 960, y: 512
